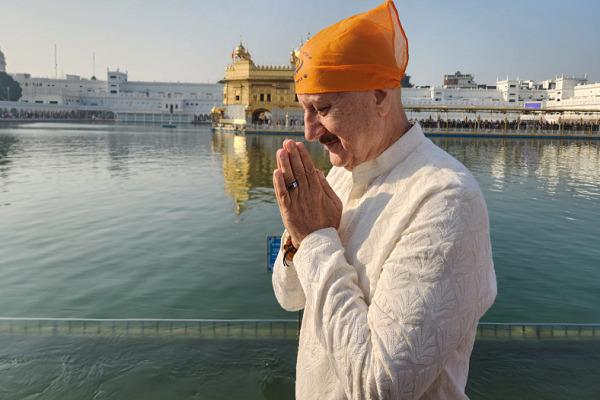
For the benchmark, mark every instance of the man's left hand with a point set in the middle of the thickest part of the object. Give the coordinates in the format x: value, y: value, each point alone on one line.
x: 312, y: 204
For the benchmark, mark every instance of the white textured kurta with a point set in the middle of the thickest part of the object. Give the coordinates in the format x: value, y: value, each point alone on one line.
x: 392, y: 298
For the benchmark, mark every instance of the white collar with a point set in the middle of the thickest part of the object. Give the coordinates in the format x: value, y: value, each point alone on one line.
x: 364, y: 173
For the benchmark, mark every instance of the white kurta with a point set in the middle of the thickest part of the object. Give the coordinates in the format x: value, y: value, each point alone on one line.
x: 392, y: 298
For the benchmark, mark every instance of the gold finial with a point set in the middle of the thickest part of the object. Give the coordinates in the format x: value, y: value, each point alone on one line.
x: 240, y: 53
x: 294, y: 57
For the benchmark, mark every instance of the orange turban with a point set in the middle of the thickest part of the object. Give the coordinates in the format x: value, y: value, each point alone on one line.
x: 363, y: 52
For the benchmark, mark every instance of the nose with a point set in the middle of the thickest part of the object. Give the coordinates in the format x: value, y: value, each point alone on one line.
x: 312, y: 127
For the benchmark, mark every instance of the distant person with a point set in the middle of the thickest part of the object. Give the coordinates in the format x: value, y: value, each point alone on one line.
x: 390, y: 255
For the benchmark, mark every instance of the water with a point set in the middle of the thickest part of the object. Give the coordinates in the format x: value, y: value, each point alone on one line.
x: 109, y: 221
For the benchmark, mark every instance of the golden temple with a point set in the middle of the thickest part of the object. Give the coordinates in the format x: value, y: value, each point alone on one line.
x: 257, y: 95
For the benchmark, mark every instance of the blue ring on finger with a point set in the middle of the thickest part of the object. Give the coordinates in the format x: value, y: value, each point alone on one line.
x: 292, y: 185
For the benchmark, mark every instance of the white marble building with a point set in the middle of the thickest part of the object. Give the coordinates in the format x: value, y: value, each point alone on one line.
x: 561, y: 92
x: 131, y: 101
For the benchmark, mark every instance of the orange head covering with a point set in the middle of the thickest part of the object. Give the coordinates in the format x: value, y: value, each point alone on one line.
x: 363, y: 52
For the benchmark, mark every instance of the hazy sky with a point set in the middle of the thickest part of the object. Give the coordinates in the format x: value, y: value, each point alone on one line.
x: 184, y: 40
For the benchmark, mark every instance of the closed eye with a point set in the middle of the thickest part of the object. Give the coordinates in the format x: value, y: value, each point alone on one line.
x: 323, y: 111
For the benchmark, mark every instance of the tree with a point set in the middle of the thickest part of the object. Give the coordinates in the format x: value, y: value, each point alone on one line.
x: 406, y: 82
x: 9, y: 88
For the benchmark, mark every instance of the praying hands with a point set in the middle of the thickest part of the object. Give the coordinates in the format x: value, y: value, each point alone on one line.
x: 306, y: 201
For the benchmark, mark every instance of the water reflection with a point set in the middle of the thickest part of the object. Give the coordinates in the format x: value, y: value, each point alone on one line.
x: 8, y: 145
x: 552, y: 164
x: 236, y: 167
x: 248, y: 164
x: 119, y: 149
x: 497, y: 166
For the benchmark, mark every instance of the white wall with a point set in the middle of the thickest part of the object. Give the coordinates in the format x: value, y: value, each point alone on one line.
x: 122, y: 96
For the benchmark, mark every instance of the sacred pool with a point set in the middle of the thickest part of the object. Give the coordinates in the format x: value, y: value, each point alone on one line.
x: 133, y: 264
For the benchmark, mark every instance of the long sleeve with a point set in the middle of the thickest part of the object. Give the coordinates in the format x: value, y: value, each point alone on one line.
x: 433, y: 287
x: 286, y: 285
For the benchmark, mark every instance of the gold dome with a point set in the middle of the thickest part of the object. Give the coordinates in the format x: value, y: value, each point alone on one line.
x: 240, y: 53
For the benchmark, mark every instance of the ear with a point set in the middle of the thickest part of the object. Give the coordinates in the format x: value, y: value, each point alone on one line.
x: 383, y: 101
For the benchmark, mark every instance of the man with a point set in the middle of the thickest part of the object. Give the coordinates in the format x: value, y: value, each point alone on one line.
x: 390, y: 255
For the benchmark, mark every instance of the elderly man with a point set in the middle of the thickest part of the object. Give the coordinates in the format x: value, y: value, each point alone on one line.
x: 390, y: 255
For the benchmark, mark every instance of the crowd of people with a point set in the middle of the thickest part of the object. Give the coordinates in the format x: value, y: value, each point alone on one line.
x: 202, y: 119
x: 16, y: 114
x: 590, y: 126
x: 515, y: 125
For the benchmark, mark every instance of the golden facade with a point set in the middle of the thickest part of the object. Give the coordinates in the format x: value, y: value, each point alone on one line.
x: 262, y: 94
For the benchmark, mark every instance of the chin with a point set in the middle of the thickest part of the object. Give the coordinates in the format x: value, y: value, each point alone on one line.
x: 337, y: 161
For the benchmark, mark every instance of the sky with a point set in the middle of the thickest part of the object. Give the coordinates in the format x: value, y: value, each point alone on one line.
x: 192, y: 41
